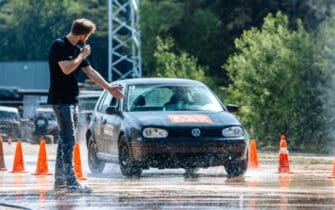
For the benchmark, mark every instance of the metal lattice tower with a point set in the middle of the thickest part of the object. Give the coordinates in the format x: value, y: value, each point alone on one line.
x: 124, y: 44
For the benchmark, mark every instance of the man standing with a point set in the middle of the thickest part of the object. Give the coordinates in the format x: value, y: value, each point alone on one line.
x: 66, y: 58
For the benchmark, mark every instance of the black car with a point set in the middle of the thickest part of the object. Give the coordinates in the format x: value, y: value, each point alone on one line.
x: 165, y: 123
x: 45, y: 124
x: 10, y: 123
x: 86, y: 102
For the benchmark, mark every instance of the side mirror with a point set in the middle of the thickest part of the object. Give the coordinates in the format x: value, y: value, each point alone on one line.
x: 111, y: 110
x: 232, y: 108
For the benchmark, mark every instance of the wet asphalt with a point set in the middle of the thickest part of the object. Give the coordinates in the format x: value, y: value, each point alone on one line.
x: 309, y: 186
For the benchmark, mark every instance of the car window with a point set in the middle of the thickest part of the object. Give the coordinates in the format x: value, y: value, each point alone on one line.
x: 147, y: 98
x: 171, y: 98
x: 105, y: 103
x: 158, y: 96
x: 114, y: 102
x: 100, y: 101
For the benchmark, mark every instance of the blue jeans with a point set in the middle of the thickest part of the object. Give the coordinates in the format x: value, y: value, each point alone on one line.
x: 67, y: 119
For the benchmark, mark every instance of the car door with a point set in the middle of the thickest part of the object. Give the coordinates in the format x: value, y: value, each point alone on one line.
x: 111, y: 131
x: 99, y: 121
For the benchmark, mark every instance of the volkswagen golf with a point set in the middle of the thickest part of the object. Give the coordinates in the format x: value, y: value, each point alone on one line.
x: 165, y: 123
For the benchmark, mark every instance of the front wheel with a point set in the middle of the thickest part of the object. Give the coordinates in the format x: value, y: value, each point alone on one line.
x: 128, y: 166
x: 94, y: 163
x: 236, y: 168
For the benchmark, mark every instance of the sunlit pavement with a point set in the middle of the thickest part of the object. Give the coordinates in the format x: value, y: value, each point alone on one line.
x: 308, y: 187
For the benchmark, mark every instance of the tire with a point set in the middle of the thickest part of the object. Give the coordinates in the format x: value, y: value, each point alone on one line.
x: 94, y: 163
x: 128, y: 166
x: 236, y: 168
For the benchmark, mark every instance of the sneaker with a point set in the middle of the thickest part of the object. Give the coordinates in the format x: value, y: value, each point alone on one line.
x: 78, y: 189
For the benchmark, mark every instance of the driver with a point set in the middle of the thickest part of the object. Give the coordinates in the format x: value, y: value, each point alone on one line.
x: 179, y: 99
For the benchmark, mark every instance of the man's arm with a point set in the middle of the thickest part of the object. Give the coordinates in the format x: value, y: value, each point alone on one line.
x: 68, y: 66
x: 116, y: 91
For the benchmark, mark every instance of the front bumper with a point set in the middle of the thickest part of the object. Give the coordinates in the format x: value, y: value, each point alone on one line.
x: 189, y: 154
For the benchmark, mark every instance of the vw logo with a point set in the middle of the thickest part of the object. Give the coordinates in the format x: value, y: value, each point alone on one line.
x: 196, y: 132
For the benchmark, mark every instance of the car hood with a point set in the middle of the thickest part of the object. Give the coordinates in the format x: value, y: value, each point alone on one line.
x: 169, y: 119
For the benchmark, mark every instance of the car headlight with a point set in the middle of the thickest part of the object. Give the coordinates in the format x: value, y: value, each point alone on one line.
x: 235, y: 131
x: 155, y: 133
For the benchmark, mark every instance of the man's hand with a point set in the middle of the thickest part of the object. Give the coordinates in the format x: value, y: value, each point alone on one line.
x: 116, y: 91
x: 86, y: 51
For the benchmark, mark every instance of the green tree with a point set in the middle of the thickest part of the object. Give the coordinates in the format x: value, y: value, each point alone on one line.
x: 182, y: 65
x: 97, y: 10
x: 33, y: 25
x: 157, y: 17
x: 205, y: 29
x: 234, y: 17
x: 27, y: 28
x: 326, y: 38
x: 276, y: 80
x: 198, y: 34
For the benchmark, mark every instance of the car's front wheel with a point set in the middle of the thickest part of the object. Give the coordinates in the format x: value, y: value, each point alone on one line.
x: 128, y: 166
x: 94, y: 163
x: 236, y: 168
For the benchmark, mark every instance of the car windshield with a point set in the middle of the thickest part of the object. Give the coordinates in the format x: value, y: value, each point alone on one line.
x: 171, y: 98
x: 8, y: 115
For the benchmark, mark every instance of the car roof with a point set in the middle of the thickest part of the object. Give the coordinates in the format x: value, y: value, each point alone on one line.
x: 155, y: 80
x: 8, y: 109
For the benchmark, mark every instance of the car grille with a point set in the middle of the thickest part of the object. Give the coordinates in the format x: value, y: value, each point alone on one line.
x: 188, y: 132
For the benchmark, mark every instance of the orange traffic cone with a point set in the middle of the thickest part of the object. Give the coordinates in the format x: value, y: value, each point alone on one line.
x: 2, y: 159
x: 253, y: 157
x: 18, y: 166
x: 283, y: 165
x: 77, y: 162
x: 42, y: 162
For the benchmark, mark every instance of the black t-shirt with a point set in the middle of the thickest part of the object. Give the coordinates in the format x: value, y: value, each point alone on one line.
x: 63, y: 88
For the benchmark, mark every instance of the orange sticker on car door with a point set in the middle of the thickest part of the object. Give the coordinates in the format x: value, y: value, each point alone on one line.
x: 189, y: 118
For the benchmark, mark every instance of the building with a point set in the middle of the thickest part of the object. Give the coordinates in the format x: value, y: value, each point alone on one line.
x: 25, y: 74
